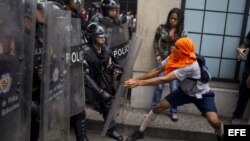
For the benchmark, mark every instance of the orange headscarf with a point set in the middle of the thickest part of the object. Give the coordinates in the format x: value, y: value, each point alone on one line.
x: 182, y: 55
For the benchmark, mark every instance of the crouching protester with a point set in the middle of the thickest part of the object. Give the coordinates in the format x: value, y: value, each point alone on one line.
x: 181, y: 65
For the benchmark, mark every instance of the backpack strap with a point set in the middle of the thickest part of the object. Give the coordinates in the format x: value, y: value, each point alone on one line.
x: 204, y: 73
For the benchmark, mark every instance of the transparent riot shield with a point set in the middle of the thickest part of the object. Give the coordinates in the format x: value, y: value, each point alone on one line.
x: 121, y: 91
x: 77, y: 91
x: 11, y: 68
x: 118, y: 40
x: 29, y: 38
x: 55, y: 108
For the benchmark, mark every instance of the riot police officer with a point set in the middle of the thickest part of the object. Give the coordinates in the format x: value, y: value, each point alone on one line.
x: 116, y: 26
x: 95, y: 12
x: 110, y: 10
x: 101, y: 71
x: 106, y: 12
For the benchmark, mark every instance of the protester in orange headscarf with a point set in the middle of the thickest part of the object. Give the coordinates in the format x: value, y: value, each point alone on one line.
x: 180, y: 65
x: 181, y: 56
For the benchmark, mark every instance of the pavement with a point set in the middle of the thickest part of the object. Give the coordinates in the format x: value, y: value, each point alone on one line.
x: 189, y: 127
x: 94, y: 137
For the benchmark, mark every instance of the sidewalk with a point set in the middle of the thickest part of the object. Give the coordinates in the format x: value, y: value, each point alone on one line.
x: 188, y: 128
x: 95, y: 135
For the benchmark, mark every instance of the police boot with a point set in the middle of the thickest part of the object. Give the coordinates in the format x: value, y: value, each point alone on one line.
x: 111, y: 132
x: 80, y: 130
x: 135, y: 136
x: 114, y: 134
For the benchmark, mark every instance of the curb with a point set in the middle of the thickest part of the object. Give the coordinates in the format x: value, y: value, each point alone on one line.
x: 167, y: 130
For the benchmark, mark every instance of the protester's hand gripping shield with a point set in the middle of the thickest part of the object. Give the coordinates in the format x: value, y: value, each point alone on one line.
x: 55, y: 108
x: 121, y: 90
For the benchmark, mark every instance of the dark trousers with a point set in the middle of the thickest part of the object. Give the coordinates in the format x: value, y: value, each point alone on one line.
x: 103, y: 107
x: 78, y: 122
x: 34, y: 132
x: 130, y: 31
x: 244, y: 94
x: 35, y: 115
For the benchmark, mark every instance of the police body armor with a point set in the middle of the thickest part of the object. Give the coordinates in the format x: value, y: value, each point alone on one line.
x: 15, y: 72
x: 97, y: 70
x: 55, y: 90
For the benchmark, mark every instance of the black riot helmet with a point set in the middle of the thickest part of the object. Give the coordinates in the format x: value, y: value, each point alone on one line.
x: 95, y: 30
x: 69, y: 1
x: 40, y: 15
x: 40, y: 6
x: 74, y: 5
x: 106, y: 5
x: 94, y: 10
x: 73, y: 2
x: 58, y: 1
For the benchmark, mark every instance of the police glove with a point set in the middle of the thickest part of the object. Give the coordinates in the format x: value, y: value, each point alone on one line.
x: 105, y: 96
x: 85, y: 66
x: 106, y: 99
x: 117, y: 74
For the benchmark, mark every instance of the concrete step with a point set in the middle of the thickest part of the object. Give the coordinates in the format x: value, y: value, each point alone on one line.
x: 94, y: 134
x: 189, y: 127
x: 95, y: 126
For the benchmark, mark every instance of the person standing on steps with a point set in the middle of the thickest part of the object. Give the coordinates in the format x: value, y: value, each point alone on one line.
x: 164, y: 39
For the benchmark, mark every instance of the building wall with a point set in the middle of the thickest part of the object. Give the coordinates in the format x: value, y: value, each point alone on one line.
x: 150, y: 15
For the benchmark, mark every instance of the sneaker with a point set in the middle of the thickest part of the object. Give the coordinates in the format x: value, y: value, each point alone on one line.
x: 135, y: 136
x: 235, y: 121
x: 174, y: 117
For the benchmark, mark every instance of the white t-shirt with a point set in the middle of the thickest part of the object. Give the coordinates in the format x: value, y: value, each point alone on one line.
x: 190, y: 87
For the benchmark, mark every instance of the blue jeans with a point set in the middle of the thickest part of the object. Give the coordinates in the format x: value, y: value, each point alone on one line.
x: 158, y: 93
